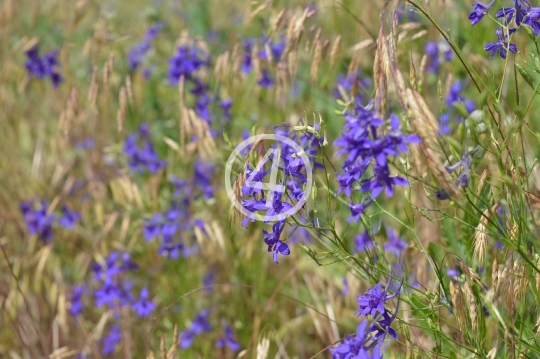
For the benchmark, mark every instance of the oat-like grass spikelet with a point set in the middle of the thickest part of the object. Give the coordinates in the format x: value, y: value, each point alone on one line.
x: 259, y: 9
x: 278, y: 21
x: 472, y: 305
x: 317, y: 57
x: 495, y: 274
x: 482, y: 182
x: 459, y: 304
x: 481, y: 236
x: 121, y: 114
x: 380, y: 72
x: 334, y: 52
x: 263, y: 346
x: 129, y: 89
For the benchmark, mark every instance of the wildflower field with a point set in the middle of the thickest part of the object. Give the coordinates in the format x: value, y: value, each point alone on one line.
x: 269, y: 179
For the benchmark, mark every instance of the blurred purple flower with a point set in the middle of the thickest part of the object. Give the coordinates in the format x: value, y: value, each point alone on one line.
x: 143, y: 307
x: 111, y: 340
x: 394, y: 245
x: 68, y: 218
x: 46, y: 66
x: 228, y: 340
x: 38, y: 221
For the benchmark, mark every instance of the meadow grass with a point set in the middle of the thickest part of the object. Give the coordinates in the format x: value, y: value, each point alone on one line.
x: 134, y: 140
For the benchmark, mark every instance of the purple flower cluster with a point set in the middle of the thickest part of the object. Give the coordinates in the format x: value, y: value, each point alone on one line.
x: 270, y: 52
x: 521, y: 13
x: 140, y: 152
x: 369, y: 338
x: 277, y: 204
x: 174, y: 226
x: 365, y: 140
x: 187, y: 63
x: 453, y: 98
x: 45, y: 66
x: 437, y: 53
x: 137, y: 54
x: 199, y: 325
x: 170, y: 228
x: 40, y: 222
x: 111, y: 289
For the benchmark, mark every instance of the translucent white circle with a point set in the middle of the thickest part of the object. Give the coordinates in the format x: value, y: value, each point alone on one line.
x: 236, y: 154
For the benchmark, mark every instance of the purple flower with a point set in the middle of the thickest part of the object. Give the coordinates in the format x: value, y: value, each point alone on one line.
x: 200, y: 323
x: 275, y: 245
x: 68, y: 218
x: 363, y: 242
x: 265, y: 80
x: 532, y: 19
x: 228, y: 340
x: 186, y: 62
x: 152, y: 227
x: 142, y: 156
x: 394, y: 244
x: 247, y: 62
x: 437, y: 52
x: 46, y: 66
x: 501, y: 46
x: 355, y: 347
x: 38, y: 221
x: 143, y: 307
x: 111, y: 340
x: 357, y: 209
x: 186, y: 338
x: 345, y: 289
x: 382, y: 180
x: 76, y: 301
x: 372, y: 302
x: 374, y: 299
x: 479, y: 11
x: 452, y: 272
x: 382, y: 327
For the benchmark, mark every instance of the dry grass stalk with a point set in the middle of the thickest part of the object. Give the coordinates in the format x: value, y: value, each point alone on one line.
x: 317, y: 57
x: 258, y: 10
x: 492, y: 354
x: 278, y: 21
x: 423, y: 121
x: 473, y: 307
x: 459, y: 304
x: 481, y: 236
x: 255, y: 60
x: 262, y: 348
x: 129, y: 89
x: 537, y: 276
x: 495, y: 274
x: 162, y: 349
x: 107, y: 70
x: 422, y: 70
x: 295, y: 30
x: 121, y: 114
x: 380, y: 71
x: 334, y: 52
x: 93, y: 89
x: 482, y: 182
